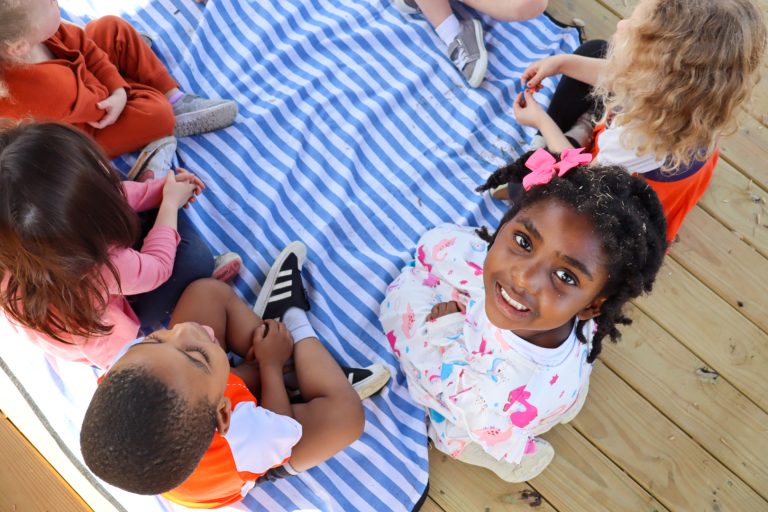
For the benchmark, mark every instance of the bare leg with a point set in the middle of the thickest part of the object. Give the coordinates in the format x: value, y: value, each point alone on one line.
x: 215, y: 304
x: 332, y: 418
x: 435, y: 10
x: 508, y: 10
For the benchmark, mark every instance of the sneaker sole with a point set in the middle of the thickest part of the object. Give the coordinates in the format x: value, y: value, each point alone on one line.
x: 149, y: 151
x: 377, y: 381
x: 226, y: 266
x: 297, y: 248
x: 207, y: 120
x: 481, y: 65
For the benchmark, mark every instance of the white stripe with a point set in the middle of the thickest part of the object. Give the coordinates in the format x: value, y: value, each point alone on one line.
x: 275, y: 298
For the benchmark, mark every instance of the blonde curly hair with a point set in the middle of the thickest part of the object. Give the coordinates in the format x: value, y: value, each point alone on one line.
x: 677, y: 74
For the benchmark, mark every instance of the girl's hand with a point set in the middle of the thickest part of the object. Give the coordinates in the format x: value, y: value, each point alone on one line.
x: 186, y: 176
x: 445, y: 308
x: 112, y: 106
x: 272, y: 344
x: 540, y: 70
x: 178, y: 193
x: 530, y: 112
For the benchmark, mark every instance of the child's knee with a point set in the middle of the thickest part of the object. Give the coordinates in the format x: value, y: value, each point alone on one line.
x: 160, y: 120
x: 212, y: 290
x: 106, y: 25
x: 351, y: 409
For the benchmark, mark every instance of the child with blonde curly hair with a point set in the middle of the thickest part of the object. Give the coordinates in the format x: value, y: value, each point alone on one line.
x: 665, y: 89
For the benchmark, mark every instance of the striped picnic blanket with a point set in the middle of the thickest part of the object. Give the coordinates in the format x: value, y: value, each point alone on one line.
x: 355, y: 135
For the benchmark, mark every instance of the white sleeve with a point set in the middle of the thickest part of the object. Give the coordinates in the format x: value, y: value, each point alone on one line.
x: 613, y: 152
x: 259, y: 438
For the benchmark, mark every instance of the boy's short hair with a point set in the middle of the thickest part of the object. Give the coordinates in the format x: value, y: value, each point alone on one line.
x: 140, y: 435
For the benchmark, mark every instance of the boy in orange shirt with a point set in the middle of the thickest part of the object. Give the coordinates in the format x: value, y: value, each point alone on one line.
x: 172, y: 417
x: 103, y: 79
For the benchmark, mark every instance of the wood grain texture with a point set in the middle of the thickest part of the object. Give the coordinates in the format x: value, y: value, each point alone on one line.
x: 594, y: 483
x: 656, y: 453
x: 704, y: 404
x: 459, y: 487
x: 27, y: 482
x: 712, y: 329
x: 728, y: 266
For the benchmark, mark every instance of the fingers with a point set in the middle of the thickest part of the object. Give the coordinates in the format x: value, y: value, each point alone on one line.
x: 185, y: 175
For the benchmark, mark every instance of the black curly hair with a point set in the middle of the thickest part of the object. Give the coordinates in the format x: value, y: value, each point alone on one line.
x: 141, y: 436
x: 626, y: 214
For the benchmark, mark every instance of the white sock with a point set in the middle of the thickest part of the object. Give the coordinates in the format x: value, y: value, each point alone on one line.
x: 298, y: 323
x: 448, y: 29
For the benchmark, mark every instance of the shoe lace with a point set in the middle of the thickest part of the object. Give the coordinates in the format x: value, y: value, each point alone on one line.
x: 460, y: 57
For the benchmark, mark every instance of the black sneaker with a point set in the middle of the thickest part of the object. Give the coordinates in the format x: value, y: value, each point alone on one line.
x: 367, y: 381
x: 283, y: 287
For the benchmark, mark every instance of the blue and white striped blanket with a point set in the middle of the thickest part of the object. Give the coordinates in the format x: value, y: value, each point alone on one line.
x: 355, y: 135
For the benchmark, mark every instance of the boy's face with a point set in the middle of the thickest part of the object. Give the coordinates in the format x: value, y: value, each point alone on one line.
x: 187, y: 357
x: 543, y: 269
x: 45, y: 18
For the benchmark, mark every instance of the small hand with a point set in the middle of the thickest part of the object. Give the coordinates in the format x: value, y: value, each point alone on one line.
x: 178, y: 193
x: 539, y: 70
x: 186, y: 176
x: 272, y: 344
x: 112, y: 106
x: 527, y: 110
x: 445, y: 308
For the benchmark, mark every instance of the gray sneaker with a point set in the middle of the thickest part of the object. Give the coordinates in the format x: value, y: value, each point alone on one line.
x: 196, y: 115
x: 468, y: 52
x: 407, y: 6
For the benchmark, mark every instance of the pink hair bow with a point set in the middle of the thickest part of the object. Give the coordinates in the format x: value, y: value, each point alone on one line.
x: 543, y: 165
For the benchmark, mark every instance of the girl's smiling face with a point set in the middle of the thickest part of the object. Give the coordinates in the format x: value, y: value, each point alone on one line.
x: 544, y: 268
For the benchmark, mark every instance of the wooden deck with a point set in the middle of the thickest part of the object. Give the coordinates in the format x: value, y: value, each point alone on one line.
x: 676, y: 417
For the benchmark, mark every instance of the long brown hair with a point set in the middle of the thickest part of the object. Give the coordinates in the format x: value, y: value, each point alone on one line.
x: 62, y: 209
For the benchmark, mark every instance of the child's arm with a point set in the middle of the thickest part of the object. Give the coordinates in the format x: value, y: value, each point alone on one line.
x: 272, y: 347
x: 97, y: 62
x: 533, y: 115
x: 578, y: 67
x: 144, y: 270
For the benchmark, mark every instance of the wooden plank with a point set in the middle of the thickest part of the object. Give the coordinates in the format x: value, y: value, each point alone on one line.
x: 430, y: 506
x: 27, y: 481
x: 459, y: 487
x: 707, y: 407
x: 706, y: 245
x: 739, y: 204
x: 747, y: 149
x: 656, y: 453
x: 594, y: 482
x: 715, y: 332
x: 600, y: 22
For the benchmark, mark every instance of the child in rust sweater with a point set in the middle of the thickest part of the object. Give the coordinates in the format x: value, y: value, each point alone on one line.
x: 104, y: 79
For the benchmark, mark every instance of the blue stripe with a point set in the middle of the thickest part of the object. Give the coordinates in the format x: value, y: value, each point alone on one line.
x: 355, y: 135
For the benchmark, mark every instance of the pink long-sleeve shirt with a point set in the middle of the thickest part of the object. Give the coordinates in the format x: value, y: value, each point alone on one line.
x: 139, y: 271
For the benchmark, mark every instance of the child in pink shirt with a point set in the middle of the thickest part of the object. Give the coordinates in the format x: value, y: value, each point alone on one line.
x: 79, y: 277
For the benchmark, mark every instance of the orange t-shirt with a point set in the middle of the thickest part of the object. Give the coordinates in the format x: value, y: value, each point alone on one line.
x: 256, y: 441
x: 678, y: 191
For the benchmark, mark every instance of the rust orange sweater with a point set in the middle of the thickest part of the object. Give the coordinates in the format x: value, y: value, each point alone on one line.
x: 65, y: 89
x: 87, y: 66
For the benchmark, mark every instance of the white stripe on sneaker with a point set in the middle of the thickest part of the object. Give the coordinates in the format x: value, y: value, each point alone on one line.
x: 284, y: 284
x: 282, y: 296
